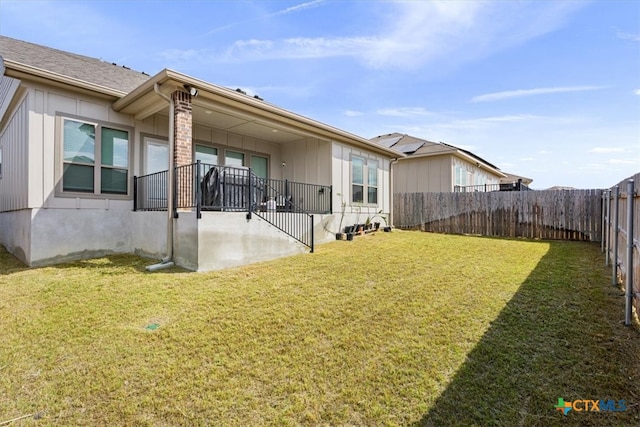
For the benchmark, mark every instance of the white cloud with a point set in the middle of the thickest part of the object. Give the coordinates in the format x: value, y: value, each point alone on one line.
x: 404, y: 112
x: 637, y: 91
x: 420, y: 33
x: 286, y: 11
x: 495, y: 96
x: 351, y: 113
x: 628, y: 36
x: 623, y: 161
x: 607, y: 150
x: 174, y: 55
x: 297, y: 8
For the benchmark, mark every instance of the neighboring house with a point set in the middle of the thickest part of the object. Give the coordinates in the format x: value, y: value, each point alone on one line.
x: 431, y: 167
x: 75, y: 131
x: 516, y: 182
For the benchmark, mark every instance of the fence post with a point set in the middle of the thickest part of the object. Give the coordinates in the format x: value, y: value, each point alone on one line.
x: 286, y: 195
x: 198, y: 191
x: 629, y: 267
x: 175, y: 191
x: 311, y: 229
x: 331, y: 201
x: 616, y: 206
x: 608, y: 228
x: 135, y: 193
x: 249, y: 193
x: 602, y: 233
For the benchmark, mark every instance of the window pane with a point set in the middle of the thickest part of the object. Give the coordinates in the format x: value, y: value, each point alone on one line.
x: 357, y: 166
x: 358, y: 193
x: 208, y: 155
x: 157, y: 157
x: 113, y: 181
x: 233, y: 158
x: 115, y: 147
x: 372, y: 195
x: 259, y: 166
x: 77, y: 178
x: 79, y: 142
x: 372, y: 177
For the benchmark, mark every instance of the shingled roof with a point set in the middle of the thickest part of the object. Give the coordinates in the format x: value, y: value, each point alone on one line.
x: 84, y: 68
x: 414, y: 147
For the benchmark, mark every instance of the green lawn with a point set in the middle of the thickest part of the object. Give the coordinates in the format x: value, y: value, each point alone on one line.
x: 402, y: 328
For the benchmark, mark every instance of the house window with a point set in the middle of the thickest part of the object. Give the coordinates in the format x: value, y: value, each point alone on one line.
x: 207, y: 155
x: 259, y: 166
x: 461, y: 176
x: 233, y: 158
x: 95, y: 158
x: 364, y: 180
x: 372, y: 182
x: 357, y: 180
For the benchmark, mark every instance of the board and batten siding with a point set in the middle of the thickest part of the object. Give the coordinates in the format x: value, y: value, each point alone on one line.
x: 8, y: 88
x: 47, y: 103
x: 14, y: 181
x: 431, y: 174
x: 341, y: 181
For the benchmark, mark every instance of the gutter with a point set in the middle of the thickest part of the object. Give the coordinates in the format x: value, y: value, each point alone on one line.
x: 394, y: 160
x: 167, y: 261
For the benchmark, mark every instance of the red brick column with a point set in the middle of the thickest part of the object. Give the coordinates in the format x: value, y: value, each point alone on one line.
x: 183, y: 147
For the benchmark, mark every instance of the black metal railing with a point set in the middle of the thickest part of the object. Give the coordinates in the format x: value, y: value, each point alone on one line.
x: 150, y: 192
x: 285, y: 204
x: 511, y: 186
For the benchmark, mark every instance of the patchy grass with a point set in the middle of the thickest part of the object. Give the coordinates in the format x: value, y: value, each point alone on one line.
x: 391, y: 329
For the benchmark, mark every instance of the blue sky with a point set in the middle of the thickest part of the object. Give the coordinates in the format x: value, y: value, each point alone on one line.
x: 545, y: 89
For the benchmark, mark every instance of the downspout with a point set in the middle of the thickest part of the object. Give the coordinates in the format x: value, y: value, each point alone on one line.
x: 168, y: 260
x: 391, y: 191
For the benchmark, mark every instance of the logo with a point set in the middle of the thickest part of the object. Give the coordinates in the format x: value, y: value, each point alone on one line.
x: 588, y: 405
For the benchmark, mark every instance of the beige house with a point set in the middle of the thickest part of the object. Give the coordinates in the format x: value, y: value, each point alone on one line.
x: 437, y: 167
x: 85, y: 154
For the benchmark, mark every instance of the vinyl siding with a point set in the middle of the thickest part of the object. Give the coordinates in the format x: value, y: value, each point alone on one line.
x: 13, y: 142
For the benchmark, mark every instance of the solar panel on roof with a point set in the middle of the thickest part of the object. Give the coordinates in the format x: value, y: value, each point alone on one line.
x: 409, y: 148
x: 388, y: 142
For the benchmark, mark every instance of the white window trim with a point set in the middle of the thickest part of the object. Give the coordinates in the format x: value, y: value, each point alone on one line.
x: 59, y: 157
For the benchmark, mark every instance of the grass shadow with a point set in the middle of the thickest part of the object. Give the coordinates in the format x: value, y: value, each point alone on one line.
x: 560, y: 336
x: 9, y: 264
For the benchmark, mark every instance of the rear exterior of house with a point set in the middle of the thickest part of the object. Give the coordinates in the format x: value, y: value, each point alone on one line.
x: 431, y: 167
x: 85, y: 149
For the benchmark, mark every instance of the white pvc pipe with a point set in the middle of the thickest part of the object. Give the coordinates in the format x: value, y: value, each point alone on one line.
x: 167, y: 260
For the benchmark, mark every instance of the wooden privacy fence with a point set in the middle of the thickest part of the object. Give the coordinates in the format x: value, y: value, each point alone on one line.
x: 621, y: 242
x: 552, y: 214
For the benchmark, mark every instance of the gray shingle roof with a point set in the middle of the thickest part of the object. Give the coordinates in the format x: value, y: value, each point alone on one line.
x: 80, y: 67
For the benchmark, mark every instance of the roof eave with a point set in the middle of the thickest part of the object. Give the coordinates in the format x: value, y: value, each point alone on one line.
x: 248, y: 105
x: 21, y: 71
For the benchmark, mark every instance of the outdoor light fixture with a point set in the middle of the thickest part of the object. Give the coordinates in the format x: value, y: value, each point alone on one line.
x: 191, y: 90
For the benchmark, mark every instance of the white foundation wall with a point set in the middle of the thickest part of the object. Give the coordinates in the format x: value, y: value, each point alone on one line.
x: 15, y: 233
x: 149, y: 234
x: 59, y: 235
x: 228, y: 239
